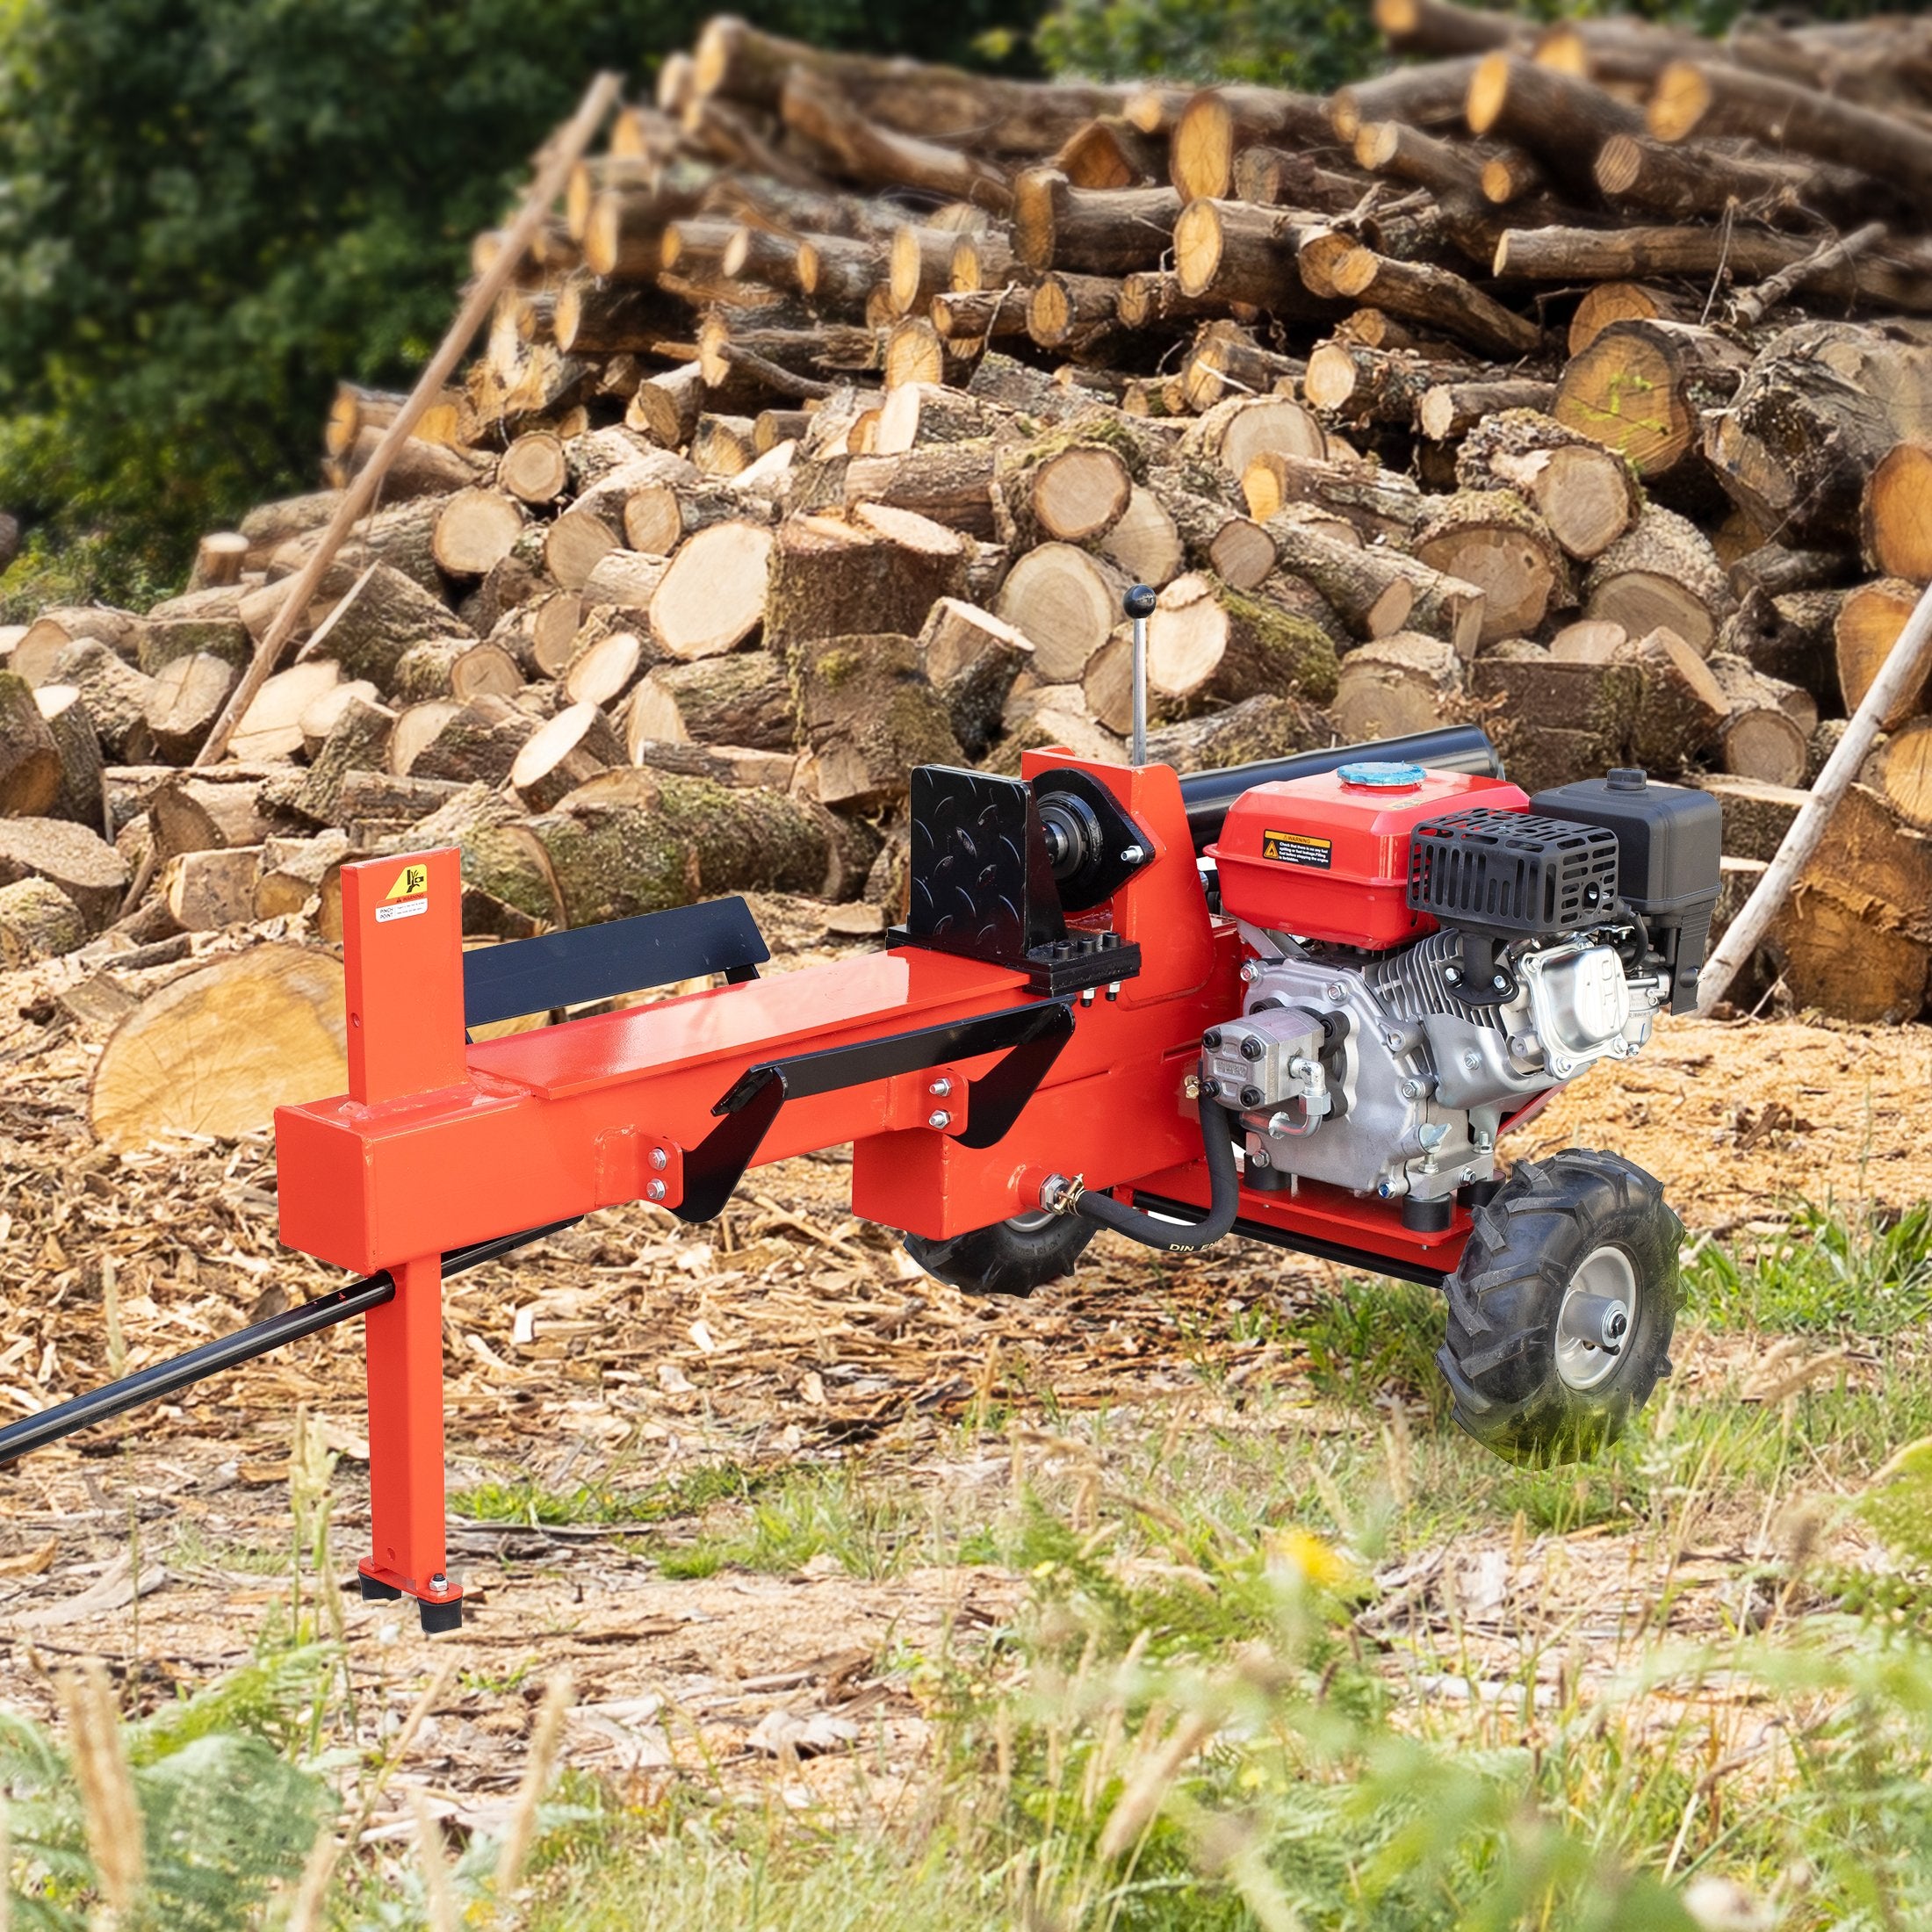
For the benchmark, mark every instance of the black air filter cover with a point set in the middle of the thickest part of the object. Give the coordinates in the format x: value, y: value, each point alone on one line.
x: 1513, y: 872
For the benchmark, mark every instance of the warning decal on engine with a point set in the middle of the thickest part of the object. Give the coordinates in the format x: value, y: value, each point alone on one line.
x: 1297, y: 848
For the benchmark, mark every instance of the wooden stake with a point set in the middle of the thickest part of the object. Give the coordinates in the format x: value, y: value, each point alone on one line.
x: 1904, y: 670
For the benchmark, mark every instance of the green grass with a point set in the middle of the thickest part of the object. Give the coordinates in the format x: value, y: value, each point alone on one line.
x: 1825, y: 1273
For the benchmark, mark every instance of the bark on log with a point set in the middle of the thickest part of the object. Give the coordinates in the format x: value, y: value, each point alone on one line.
x: 823, y: 572
x: 471, y: 743
x: 869, y: 716
x: 29, y: 761
x: 1681, y: 707
x: 1224, y: 360
x: 37, y: 921
x: 81, y: 796
x: 1434, y: 94
x: 1584, y: 493
x: 1501, y: 545
x: 1379, y: 503
x: 1271, y: 725
x: 1820, y: 408
x: 358, y: 741
x: 1232, y: 252
x: 1562, y: 120
x: 1708, y: 98
x: 79, y: 861
x: 745, y: 700
x: 1448, y: 411
x: 1401, y: 683
x: 972, y: 658
x: 1090, y: 231
x: 875, y: 156
x: 115, y: 695
x: 1662, y: 573
x: 1207, y: 645
x: 204, y: 814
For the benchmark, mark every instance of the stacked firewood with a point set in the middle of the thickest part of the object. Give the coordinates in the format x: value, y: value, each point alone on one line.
x: 1569, y: 380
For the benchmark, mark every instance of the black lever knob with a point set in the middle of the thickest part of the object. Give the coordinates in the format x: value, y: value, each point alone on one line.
x: 1140, y: 601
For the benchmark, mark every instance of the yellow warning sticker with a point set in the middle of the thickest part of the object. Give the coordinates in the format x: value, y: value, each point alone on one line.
x: 411, y: 880
x: 1297, y: 848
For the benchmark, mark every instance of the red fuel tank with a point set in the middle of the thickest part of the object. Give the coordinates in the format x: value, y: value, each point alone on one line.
x: 1327, y: 857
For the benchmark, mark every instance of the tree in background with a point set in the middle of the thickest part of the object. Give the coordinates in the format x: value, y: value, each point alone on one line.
x: 210, y: 210
x: 1314, y: 45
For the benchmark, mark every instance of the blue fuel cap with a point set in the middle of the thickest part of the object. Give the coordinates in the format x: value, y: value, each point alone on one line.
x: 1381, y: 775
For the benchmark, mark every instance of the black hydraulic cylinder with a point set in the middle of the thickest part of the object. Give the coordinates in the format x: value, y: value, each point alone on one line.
x: 1452, y: 747
x: 163, y: 1379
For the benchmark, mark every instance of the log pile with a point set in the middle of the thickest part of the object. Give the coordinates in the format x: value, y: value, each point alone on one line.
x: 1577, y: 379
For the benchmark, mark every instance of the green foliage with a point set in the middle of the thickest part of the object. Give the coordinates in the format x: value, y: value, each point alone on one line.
x: 1313, y: 44
x: 226, y: 1813
x: 211, y: 210
x: 1826, y: 1272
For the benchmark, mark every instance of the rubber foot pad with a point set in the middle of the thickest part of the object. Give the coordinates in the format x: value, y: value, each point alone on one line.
x: 377, y: 1592
x: 437, y: 1618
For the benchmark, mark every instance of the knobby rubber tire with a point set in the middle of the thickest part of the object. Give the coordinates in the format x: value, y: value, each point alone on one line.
x: 1004, y: 1260
x: 1500, y: 1356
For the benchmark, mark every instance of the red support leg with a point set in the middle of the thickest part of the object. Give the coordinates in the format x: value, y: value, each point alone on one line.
x: 406, y: 1502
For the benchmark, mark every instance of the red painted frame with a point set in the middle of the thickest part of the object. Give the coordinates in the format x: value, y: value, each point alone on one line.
x: 438, y: 1144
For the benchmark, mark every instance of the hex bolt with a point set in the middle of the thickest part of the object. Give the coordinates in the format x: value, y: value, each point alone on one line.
x: 1471, y: 1061
x: 659, y: 1159
x: 1335, y: 990
x: 1211, y: 1039
x: 1134, y: 854
x: 1412, y: 1090
x: 1210, y: 1090
x: 939, y: 1117
x: 656, y: 1191
x: 1500, y: 981
x: 1452, y: 975
x: 439, y: 1581
x: 940, y: 1088
x: 1258, y: 1158
x: 1251, y: 1096
x: 1251, y: 1049
x: 1250, y: 971
x: 1469, y: 1175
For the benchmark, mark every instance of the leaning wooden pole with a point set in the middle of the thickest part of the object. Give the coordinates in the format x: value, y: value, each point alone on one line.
x: 1904, y: 670
x: 558, y: 157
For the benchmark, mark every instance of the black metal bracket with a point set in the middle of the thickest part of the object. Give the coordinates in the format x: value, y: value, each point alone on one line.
x: 594, y: 963
x: 1113, y: 851
x: 1032, y: 1036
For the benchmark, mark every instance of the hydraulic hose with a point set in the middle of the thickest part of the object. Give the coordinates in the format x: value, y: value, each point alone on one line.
x: 1216, y: 1129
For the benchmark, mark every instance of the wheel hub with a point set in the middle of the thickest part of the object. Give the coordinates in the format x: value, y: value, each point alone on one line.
x: 1594, y: 1323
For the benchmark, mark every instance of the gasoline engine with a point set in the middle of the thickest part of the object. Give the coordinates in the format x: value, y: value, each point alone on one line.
x: 1428, y: 952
